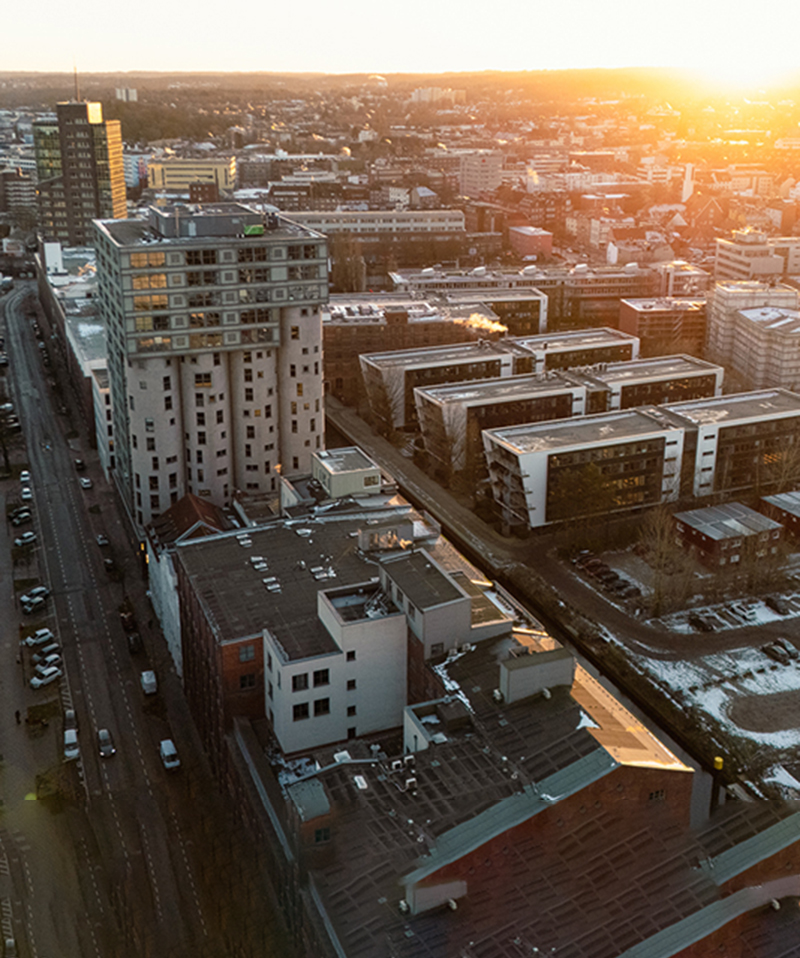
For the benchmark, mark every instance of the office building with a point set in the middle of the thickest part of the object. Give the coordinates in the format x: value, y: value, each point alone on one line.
x: 390, y: 378
x: 353, y: 324
x: 665, y: 324
x: 726, y: 299
x: 681, y: 279
x: 752, y: 255
x: 214, y: 351
x: 452, y: 417
x: 179, y: 173
x: 548, y: 472
x: 80, y: 171
x: 522, y: 310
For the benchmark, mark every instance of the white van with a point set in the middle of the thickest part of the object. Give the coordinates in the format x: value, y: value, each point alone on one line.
x: 149, y: 684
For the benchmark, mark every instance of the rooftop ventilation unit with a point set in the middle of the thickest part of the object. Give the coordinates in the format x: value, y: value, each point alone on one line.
x: 411, y: 784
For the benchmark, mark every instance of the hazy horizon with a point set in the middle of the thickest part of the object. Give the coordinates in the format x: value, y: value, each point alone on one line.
x: 708, y: 37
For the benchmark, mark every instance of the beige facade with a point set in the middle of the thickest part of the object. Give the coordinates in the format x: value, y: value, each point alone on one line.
x: 180, y: 174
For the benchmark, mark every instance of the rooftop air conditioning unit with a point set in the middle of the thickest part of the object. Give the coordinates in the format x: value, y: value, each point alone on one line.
x: 497, y: 695
x: 409, y: 759
x: 411, y: 784
x: 397, y: 764
x: 404, y: 906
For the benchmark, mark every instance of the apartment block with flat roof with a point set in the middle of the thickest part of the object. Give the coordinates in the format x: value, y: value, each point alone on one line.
x: 548, y: 472
x: 215, y: 351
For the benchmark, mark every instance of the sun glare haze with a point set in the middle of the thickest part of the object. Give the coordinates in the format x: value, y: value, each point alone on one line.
x: 710, y: 38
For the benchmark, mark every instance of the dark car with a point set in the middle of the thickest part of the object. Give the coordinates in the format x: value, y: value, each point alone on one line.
x: 701, y: 622
x: 777, y: 653
x: 778, y: 604
x: 134, y: 643
x: 80, y: 465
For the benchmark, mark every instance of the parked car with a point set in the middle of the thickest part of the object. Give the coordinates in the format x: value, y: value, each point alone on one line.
x: 71, y: 750
x: 50, y: 675
x: 34, y: 605
x: 25, y: 494
x: 134, y: 643
x: 778, y: 604
x: 24, y: 476
x: 53, y: 650
x: 169, y: 754
x: 102, y: 540
x: 70, y: 719
x: 86, y: 482
x: 20, y: 518
x: 37, y: 592
x: 149, y: 682
x: 40, y: 637
x: 701, y: 622
x: 777, y: 653
x: 26, y: 539
x: 41, y: 667
x: 105, y: 743
x: 80, y: 465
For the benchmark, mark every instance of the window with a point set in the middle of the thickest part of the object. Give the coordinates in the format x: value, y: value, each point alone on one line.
x: 322, y: 677
x: 251, y: 432
x: 155, y: 463
x: 199, y: 399
x: 220, y: 417
x: 247, y: 681
x: 322, y: 707
x: 299, y: 389
x: 322, y: 835
x: 202, y: 379
x: 201, y: 419
x: 247, y: 653
x: 149, y: 425
x: 201, y: 439
x: 248, y: 394
x: 351, y: 710
x: 351, y: 655
x: 292, y: 370
x: 248, y: 375
x: 300, y: 712
x: 294, y: 332
x: 167, y: 403
x: 269, y: 661
x: 351, y: 684
x: 167, y: 383
x: 300, y: 682
x: 151, y: 444
x: 269, y: 689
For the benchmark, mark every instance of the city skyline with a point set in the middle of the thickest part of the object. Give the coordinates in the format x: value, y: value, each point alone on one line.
x: 713, y: 39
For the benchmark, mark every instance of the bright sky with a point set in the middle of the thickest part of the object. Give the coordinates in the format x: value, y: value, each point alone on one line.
x: 725, y: 39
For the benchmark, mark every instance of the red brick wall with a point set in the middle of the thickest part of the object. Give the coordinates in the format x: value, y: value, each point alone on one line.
x: 249, y: 701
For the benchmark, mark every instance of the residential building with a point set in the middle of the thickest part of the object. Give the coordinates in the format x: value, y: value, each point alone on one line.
x: 530, y: 241
x: 80, y: 172
x: 322, y: 622
x: 728, y: 533
x: 665, y: 324
x: 547, y: 472
x: 452, y: 417
x: 214, y: 351
x: 784, y: 507
x: 390, y: 378
x: 479, y: 172
x: 353, y: 324
x: 523, y: 311
x: 179, y: 173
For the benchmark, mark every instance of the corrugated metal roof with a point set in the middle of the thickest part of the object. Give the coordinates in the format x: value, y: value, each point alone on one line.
x: 753, y: 850
x: 512, y: 811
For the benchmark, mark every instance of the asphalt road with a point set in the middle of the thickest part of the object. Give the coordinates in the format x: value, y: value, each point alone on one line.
x: 134, y: 860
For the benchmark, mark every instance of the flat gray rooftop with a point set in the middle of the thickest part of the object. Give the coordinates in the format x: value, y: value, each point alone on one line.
x: 445, y: 355
x: 596, y: 430
x: 345, y: 459
x: 420, y: 580
x: 659, y: 367
x: 482, y: 391
x: 575, y: 339
x: 738, y: 407
x: 774, y: 319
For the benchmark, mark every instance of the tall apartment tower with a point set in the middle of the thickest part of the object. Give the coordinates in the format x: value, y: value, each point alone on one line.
x: 80, y: 170
x: 214, y: 351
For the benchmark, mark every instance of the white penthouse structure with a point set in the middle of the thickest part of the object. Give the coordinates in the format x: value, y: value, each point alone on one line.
x: 214, y: 351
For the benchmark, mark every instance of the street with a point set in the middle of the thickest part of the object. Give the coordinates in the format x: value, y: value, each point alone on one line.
x: 117, y: 856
